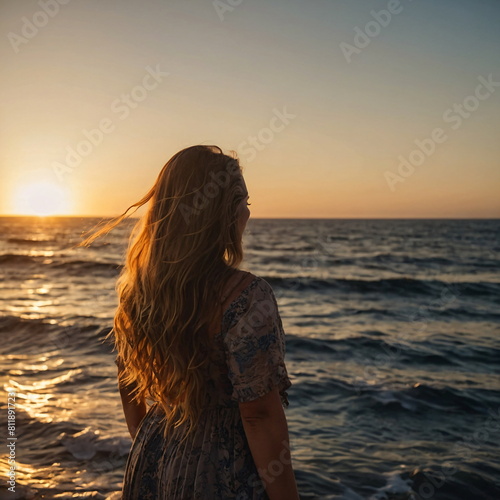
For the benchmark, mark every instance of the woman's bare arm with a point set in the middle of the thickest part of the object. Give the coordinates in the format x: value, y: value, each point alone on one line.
x: 266, y: 429
x: 133, y: 411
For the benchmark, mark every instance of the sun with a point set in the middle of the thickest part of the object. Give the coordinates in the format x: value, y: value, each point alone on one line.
x: 41, y: 198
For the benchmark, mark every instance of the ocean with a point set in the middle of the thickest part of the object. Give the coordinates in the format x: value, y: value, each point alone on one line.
x: 393, y: 349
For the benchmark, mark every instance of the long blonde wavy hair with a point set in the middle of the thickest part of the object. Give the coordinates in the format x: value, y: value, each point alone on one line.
x: 180, y: 254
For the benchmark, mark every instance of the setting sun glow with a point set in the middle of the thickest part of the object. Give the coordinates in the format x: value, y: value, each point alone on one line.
x: 41, y: 198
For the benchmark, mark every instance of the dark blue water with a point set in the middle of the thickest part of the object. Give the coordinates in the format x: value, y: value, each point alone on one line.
x: 393, y: 348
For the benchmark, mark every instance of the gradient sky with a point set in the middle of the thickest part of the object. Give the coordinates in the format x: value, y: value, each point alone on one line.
x: 230, y: 72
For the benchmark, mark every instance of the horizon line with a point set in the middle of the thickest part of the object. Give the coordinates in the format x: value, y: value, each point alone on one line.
x: 255, y: 218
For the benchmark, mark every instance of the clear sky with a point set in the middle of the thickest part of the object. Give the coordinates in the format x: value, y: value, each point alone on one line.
x: 323, y: 100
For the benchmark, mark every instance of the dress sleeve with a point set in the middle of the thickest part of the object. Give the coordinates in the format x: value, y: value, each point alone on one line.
x: 255, y: 348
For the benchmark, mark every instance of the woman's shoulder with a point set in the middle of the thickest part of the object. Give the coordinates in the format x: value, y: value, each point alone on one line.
x: 263, y: 286
x: 255, y: 291
x: 255, y: 284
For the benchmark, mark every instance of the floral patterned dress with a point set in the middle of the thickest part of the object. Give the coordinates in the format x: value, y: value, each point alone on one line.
x: 216, y: 462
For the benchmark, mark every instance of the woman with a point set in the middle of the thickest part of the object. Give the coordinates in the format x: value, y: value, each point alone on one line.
x: 203, y: 341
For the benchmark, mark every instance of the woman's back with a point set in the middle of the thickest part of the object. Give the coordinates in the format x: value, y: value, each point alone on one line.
x: 246, y: 362
x: 201, y: 339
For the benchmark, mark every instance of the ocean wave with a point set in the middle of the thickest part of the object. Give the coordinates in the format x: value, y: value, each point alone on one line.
x: 469, y: 313
x: 56, y: 451
x: 280, y: 247
x: 390, y: 258
x: 423, y: 397
x: 82, y: 267
x: 456, y: 480
x: 89, y: 444
x: 409, y: 286
x: 378, y: 352
x: 17, y: 259
x: 73, y: 267
x: 359, y: 396
x: 30, y: 241
x: 32, y: 335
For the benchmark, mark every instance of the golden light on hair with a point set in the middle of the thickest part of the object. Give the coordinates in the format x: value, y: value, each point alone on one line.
x: 180, y: 254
